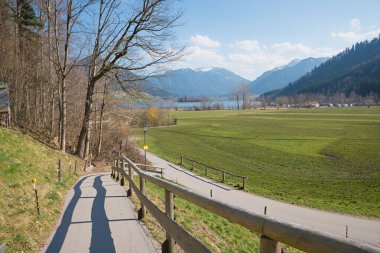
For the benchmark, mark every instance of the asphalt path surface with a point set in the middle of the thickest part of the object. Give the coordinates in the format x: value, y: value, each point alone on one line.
x: 360, y: 229
x: 98, y: 217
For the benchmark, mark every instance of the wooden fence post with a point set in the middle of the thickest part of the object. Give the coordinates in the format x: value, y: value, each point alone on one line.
x: 168, y: 245
x: 141, y: 212
x: 223, y: 176
x: 181, y: 159
x: 113, y: 174
x: 244, y: 179
x: 129, y: 192
x: 267, y: 245
x: 122, y: 183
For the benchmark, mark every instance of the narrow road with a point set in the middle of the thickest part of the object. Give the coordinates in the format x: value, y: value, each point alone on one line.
x: 98, y: 217
x: 360, y: 229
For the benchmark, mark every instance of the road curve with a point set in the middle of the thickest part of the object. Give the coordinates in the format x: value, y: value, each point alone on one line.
x: 359, y: 229
x: 98, y: 217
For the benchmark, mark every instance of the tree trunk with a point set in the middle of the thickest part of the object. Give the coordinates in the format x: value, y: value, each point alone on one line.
x: 86, y: 119
x: 100, y: 140
x: 63, y: 115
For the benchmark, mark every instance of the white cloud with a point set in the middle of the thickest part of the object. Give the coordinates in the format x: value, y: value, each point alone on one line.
x: 287, y: 47
x: 353, y: 37
x: 247, y: 45
x: 195, y: 53
x: 248, y: 58
x: 355, y: 24
x: 204, y: 41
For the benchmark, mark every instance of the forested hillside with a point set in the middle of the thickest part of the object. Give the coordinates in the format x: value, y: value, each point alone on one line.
x: 58, y: 63
x: 355, y: 70
x: 279, y: 77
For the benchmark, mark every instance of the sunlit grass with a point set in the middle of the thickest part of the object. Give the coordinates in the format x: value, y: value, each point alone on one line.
x: 21, y: 159
x: 322, y: 158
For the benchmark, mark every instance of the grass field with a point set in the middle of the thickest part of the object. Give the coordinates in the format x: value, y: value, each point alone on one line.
x: 324, y: 158
x: 21, y: 159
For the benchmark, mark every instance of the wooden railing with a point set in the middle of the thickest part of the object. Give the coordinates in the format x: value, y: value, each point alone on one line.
x: 208, y: 167
x: 272, y: 231
x: 150, y: 168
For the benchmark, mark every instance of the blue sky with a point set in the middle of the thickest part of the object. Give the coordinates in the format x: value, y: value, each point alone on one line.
x: 251, y: 36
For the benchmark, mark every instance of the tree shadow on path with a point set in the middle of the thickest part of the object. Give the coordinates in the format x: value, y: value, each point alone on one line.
x: 101, y: 240
x: 60, y: 234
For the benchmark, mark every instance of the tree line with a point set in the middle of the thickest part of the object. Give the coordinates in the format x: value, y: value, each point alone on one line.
x: 60, y: 57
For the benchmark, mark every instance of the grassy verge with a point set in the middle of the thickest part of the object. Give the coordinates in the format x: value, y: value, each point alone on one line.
x: 322, y: 158
x: 21, y: 159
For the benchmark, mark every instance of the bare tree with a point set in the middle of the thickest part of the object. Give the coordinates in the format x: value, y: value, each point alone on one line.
x: 241, y: 93
x: 72, y: 11
x: 134, y: 39
x: 236, y: 95
x: 246, y: 96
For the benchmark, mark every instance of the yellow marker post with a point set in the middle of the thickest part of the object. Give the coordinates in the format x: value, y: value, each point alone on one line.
x: 145, y: 147
x: 34, y: 181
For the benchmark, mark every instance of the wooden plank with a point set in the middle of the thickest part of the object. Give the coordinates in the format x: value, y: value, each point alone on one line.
x: 268, y: 245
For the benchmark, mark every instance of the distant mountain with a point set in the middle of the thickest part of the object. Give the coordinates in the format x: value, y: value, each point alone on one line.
x: 138, y: 85
x: 356, y: 69
x: 281, y: 76
x: 199, y: 82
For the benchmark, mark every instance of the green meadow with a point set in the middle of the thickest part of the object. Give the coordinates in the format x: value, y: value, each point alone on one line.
x: 322, y: 158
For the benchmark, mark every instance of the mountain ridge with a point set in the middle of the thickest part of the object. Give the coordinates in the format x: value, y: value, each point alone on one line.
x: 355, y: 69
x: 204, y: 81
x: 281, y: 76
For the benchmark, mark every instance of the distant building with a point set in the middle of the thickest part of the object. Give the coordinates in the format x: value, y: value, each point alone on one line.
x: 5, y: 113
x: 312, y: 104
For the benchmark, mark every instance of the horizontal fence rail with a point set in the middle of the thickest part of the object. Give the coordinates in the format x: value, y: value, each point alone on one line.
x: 153, y: 168
x: 207, y: 167
x: 272, y: 231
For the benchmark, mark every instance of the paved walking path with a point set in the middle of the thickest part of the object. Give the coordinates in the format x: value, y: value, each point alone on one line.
x: 98, y: 217
x: 360, y: 229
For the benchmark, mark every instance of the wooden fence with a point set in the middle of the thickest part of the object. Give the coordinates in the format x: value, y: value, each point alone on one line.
x: 208, y: 167
x: 272, y: 231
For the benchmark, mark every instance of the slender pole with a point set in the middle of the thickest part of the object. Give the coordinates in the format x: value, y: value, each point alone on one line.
x: 59, y: 170
x: 36, y: 195
x: 145, y: 128
x: 37, y: 204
